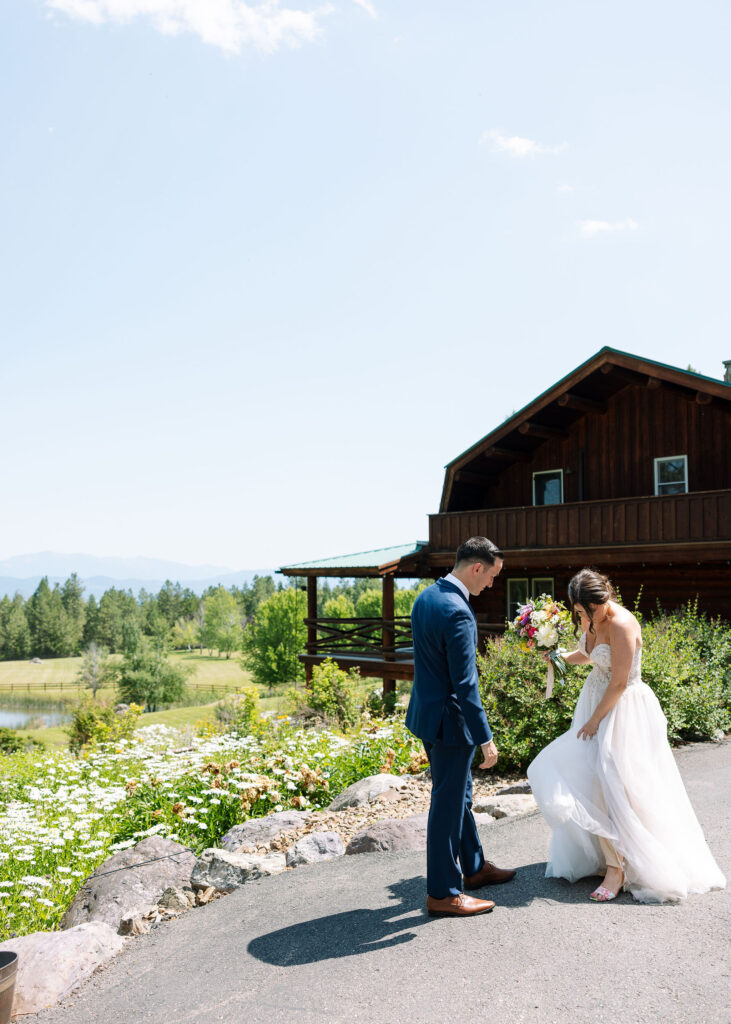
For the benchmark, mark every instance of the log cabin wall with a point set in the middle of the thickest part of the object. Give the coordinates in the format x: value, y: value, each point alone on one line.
x: 670, y: 585
x: 612, y: 454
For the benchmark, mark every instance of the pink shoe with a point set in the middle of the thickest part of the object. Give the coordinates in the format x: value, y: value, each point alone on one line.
x: 604, y: 895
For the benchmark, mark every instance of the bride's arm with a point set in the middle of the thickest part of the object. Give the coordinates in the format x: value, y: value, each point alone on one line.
x: 576, y: 657
x: 622, y: 641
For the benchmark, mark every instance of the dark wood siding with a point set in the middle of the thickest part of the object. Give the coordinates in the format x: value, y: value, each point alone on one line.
x: 619, y: 447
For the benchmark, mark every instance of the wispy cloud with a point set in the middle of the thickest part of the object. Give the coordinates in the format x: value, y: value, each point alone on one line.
x: 367, y: 6
x: 230, y: 25
x: 517, y: 146
x: 564, y: 188
x: 592, y: 228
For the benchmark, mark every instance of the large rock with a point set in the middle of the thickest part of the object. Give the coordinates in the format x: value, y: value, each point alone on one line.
x: 224, y: 871
x: 523, y: 786
x: 53, y: 964
x: 260, y: 831
x: 111, y: 894
x: 391, y: 835
x: 315, y: 847
x: 506, y: 806
x: 365, y: 791
x: 482, y: 819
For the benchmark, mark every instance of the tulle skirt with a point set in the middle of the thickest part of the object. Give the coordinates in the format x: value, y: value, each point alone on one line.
x: 623, y: 785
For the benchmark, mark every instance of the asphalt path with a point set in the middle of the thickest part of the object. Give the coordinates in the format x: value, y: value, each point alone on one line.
x: 349, y: 941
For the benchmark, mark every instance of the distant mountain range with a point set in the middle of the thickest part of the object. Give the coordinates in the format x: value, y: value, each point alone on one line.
x: 22, y: 573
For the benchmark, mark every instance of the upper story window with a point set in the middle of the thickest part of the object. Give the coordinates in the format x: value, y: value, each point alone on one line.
x: 548, y: 487
x: 671, y: 475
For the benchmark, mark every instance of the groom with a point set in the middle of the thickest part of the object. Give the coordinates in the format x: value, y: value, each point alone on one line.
x: 446, y: 713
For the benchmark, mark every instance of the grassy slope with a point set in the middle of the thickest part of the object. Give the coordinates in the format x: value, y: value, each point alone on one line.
x: 55, y: 678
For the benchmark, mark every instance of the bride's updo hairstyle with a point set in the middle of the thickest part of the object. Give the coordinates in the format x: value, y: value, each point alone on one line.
x: 589, y: 588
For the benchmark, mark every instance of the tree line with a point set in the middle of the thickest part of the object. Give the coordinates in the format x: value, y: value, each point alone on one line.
x: 57, y: 621
x: 263, y: 619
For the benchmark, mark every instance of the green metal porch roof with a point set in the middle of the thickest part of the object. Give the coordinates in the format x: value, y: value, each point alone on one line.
x: 374, y: 560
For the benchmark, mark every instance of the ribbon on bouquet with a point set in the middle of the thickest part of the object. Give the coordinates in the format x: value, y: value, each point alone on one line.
x: 549, y: 679
x: 554, y: 658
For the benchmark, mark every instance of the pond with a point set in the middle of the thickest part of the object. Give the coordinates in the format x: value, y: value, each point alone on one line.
x: 16, y: 718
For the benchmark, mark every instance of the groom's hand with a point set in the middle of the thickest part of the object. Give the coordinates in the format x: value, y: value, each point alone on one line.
x: 489, y: 755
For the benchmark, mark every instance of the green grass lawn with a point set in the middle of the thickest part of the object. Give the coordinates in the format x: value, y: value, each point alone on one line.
x: 25, y: 685
x: 56, y: 678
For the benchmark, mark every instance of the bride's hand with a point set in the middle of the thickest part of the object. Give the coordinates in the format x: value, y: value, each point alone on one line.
x: 588, y: 731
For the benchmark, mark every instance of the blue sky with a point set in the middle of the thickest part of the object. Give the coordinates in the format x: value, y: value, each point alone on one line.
x: 264, y: 270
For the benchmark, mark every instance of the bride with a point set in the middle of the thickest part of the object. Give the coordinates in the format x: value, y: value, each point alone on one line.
x: 609, y: 787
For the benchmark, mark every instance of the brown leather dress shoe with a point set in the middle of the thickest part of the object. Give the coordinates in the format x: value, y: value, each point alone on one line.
x: 457, y: 906
x: 489, y: 875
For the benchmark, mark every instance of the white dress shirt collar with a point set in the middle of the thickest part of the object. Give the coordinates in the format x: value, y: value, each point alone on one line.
x: 451, y: 578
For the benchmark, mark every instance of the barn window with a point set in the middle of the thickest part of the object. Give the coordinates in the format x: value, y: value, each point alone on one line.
x: 542, y: 585
x: 517, y: 588
x: 671, y: 475
x: 520, y: 588
x: 548, y: 487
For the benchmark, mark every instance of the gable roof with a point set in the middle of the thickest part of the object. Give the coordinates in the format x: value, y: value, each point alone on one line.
x: 585, y: 389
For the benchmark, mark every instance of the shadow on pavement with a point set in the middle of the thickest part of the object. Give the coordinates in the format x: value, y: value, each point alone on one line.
x: 361, y: 931
x: 347, y: 933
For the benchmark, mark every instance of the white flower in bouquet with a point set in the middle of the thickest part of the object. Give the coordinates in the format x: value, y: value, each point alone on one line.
x: 538, y: 617
x: 547, y: 636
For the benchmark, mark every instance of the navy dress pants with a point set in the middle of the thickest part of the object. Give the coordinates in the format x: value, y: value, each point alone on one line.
x: 453, y: 847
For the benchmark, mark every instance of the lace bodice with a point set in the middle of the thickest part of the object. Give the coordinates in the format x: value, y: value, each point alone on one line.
x: 601, y: 658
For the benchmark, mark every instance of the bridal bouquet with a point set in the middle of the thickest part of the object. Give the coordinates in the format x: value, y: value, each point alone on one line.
x: 542, y: 624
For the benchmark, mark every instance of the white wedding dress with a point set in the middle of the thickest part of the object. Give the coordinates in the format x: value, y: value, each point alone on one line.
x: 623, y: 785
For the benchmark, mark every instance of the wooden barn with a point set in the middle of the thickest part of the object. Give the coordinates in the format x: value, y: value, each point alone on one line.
x: 624, y: 465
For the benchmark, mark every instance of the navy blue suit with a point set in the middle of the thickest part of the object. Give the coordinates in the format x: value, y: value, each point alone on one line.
x: 446, y: 713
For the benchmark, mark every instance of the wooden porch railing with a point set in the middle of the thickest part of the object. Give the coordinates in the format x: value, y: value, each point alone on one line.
x: 653, y: 519
x: 359, y: 636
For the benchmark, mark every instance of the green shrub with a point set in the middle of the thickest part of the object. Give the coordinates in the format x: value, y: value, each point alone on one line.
x: 513, y: 686
x: 380, y: 705
x: 11, y: 741
x: 239, y: 712
x: 686, y: 660
x: 93, y: 722
x: 331, y: 696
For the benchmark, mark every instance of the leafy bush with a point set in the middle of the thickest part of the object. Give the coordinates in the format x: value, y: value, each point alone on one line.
x: 93, y: 723
x: 382, y: 706
x: 11, y: 741
x: 239, y: 712
x: 686, y: 660
x: 332, y: 695
x: 513, y: 686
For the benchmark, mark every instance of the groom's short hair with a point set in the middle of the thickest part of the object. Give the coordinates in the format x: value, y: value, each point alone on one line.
x: 477, y: 549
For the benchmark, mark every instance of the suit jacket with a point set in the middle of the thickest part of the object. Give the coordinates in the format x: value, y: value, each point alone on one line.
x: 445, y: 699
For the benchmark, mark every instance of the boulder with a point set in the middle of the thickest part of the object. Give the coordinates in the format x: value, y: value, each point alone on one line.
x: 260, y: 831
x: 111, y: 894
x: 315, y: 847
x: 176, y: 900
x: 482, y: 819
x: 53, y: 964
x: 390, y: 836
x: 365, y: 791
x: 517, y: 787
x: 224, y: 871
x: 139, y: 921
x: 506, y: 806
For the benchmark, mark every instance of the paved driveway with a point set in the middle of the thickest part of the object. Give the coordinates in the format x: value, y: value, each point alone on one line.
x: 349, y: 941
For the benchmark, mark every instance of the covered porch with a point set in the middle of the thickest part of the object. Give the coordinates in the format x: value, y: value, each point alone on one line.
x: 379, y: 647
